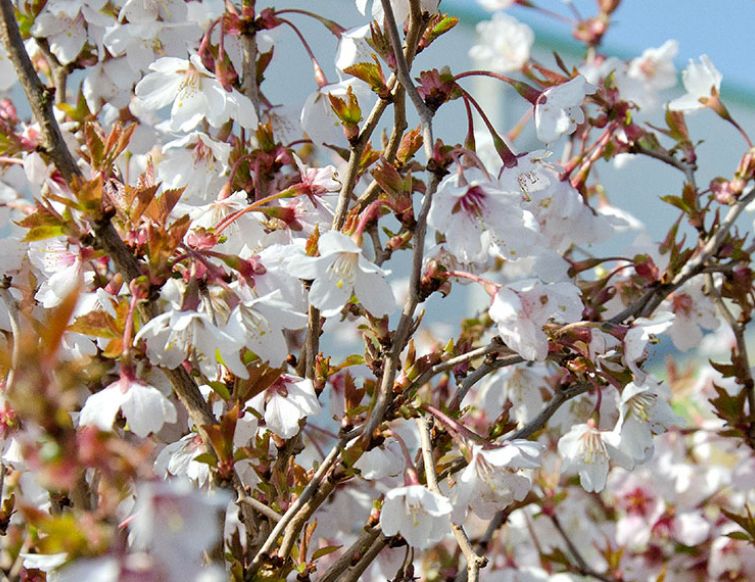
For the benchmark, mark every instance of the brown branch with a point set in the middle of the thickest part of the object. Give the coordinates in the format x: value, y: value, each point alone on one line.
x: 352, y: 555
x: 550, y: 409
x: 354, y: 574
x: 583, y: 567
x: 40, y: 97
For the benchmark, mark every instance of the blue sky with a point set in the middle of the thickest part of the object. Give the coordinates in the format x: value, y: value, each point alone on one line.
x: 723, y: 29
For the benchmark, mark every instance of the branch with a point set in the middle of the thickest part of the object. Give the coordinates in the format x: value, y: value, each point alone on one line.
x: 582, y: 566
x: 40, y: 98
x: 474, y: 561
x: 550, y: 409
x: 354, y: 574
x: 292, y: 512
x: 649, y: 302
x: 477, y: 375
x: 260, y: 507
x: 404, y: 77
x: 352, y: 555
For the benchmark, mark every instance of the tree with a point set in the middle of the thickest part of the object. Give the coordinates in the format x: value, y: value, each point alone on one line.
x: 174, y: 257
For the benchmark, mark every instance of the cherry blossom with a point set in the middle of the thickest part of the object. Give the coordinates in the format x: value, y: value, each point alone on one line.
x: 494, y: 477
x: 285, y: 403
x: 193, y: 93
x: 701, y: 81
x: 558, y: 110
x: 145, y: 408
x: 418, y: 514
x: 504, y: 44
x: 340, y: 272
x: 589, y: 451
x: 521, y: 310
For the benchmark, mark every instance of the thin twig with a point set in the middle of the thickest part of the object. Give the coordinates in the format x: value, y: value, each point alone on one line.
x: 351, y: 555
x: 583, y: 567
x: 550, y: 409
x: 262, y: 508
x: 474, y: 561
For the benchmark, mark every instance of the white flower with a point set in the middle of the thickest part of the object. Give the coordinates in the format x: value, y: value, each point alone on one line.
x: 493, y: 479
x: 61, y: 267
x: 382, y: 461
x: 258, y: 325
x: 655, y: 67
x: 700, y: 80
x: 175, y: 336
x: 353, y: 48
x: 151, y: 10
x: 693, y: 311
x: 319, y: 120
x: 197, y: 163
x: 286, y: 402
x: 194, y: 94
x: 493, y: 5
x: 247, y: 231
x: 400, y: 8
x: 522, y: 309
x: 467, y: 206
x: 643, y: 411
x: 177, y: 459
x: 64, y: 24
x: 503, y: 45
x: 418, y: 514
x: 146, y: 409
x: 341, y: 271
x: 178, y: 525
x: 558, y: 110
x: 589, y: 451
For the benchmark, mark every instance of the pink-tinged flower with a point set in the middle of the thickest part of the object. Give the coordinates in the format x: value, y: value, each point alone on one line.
x: 340, y: 272
x: 177, y: 525
x: 655, y: 67
x: 701, y: 80
x: 589, y: 451
x: 693, y: 311
x: 285, y: 403
x: 643, y: 412
x: 496, y: 477
x: 194, y: 94
x: 467, y: 207
x: 558, y: 110
x: 418, y: 514
x: 175, y: 336
x: 522, y: 309
x: 61, y: 268
x: 636, y: 340
x: 146, y: 408
x: 503, y: 44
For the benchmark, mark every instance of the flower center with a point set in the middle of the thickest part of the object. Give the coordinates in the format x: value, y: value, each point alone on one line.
x: 473, y: 202
x: 342, y: 269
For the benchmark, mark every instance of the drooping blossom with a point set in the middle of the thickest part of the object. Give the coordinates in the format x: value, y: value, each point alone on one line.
x: 693, y: 312
x: 589, y: 451
x: 644, y: 411
x: 382, y: 461
x: 558, y: 110
x: 145, y: 408
x: 496, y: 477
x: 285, y: 403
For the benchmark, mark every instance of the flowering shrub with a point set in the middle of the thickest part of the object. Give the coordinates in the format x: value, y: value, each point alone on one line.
x: 181, y: 256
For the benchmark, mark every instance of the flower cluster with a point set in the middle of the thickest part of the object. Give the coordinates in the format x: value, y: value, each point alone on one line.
x: 248, y: 340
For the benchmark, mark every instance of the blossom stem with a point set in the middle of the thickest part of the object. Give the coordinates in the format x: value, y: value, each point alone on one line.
x: 256, y: 205
x: 320, y: 77
x: 453, y: 425
x: 504, y: 151
x: 527, y: 91
x: 336, y: 29
x: 491, y: 287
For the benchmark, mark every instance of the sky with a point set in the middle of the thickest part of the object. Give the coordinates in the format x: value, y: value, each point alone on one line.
x: 722, y: 29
